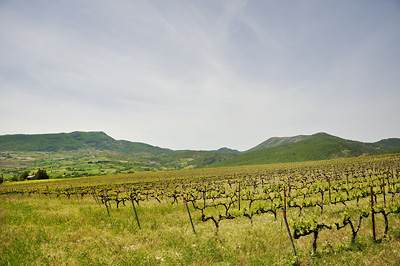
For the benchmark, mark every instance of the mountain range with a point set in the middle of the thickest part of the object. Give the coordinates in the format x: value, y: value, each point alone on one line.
x: 319, y: 146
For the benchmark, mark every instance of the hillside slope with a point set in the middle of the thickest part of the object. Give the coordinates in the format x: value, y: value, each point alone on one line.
x: 320, y: 146
x: 100, y: 144
x: 75, y: 141
x: 278, y: 141
x: 56, y: 142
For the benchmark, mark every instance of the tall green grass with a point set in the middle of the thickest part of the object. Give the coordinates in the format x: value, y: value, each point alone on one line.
x: 61, y: 231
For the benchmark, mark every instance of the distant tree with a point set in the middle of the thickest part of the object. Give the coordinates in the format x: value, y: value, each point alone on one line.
x: 23, y: 176
x: 1, y: 179
x: 41, y: 174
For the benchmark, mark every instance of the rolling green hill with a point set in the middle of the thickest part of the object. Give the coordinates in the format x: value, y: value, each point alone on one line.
x: 278, y: 141
x: 320, y: 146
x: 82, y: 146
x: 56, y: 142
x: 75, y: 141
x: 392, y: 142
x: 135, y: 156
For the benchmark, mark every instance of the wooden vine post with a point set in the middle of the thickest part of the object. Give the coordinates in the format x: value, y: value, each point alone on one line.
x: 284, y: 199
x: 134, y: 209
x: 188, y: 211
x: 106, y: 201
x: 383, y: 190
x: 239, y: 196
x: 204, y: 196
x: 373, y: 214
x: 289, y: 186
x: 95, y: 197
x: 329, y: 189
x: 190, y: 217
x: 288, y: 229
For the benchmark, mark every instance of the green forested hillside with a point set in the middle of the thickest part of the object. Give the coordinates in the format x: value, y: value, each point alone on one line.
x: 320, y: 146
x: 74, y: 141
x: 96, y: 152
x: 57, y: 142
x: 90, y: 153
x: 392, y: 142
x: 278, y: 141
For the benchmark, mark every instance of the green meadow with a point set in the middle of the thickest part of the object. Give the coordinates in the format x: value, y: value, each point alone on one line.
x: 47, y: 231
x: 78, y: 222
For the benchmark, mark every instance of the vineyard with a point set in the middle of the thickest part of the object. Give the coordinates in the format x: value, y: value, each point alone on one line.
x: 341, y: 211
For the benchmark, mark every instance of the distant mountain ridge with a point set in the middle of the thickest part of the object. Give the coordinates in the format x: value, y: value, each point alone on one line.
x: 73, y: 141
x: 391, y: 142
x: 100, y: 142
x: 278, y: 141
x: 53, y: 142
x: 319, y: 146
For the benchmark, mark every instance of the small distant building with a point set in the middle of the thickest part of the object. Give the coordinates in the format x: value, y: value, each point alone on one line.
x: 31, y: 177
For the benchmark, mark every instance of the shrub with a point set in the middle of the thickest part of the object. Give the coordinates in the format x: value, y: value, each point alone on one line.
x: 23, y: 176
x: 41, y: 174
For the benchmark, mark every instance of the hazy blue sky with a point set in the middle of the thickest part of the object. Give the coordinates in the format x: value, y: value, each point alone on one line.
x: 201, y: 74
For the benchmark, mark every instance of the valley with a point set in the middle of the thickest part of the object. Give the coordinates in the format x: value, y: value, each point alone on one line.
x: 80, y: 154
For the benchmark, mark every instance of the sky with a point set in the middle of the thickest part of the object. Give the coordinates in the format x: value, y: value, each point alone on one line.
x: 201, y: 75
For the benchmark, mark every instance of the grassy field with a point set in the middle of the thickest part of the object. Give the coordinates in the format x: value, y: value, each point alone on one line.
x: 39, y: 225
x: 39, y: 230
